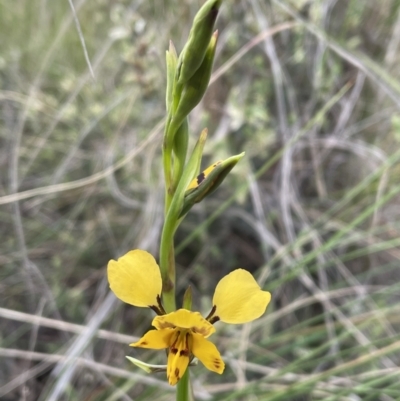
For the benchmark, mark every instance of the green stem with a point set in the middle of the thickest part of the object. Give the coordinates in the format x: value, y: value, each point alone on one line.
x: 168, y: 294
x: 167, y: 251
x: 167, y: 261
x: 183, y: 387
x: 167, y: 166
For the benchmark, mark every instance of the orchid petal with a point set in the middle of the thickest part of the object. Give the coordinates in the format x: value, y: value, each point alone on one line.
x: 155, y: 339
x: 239, y: 299
x: 135, y: 278
x: 207, y: 353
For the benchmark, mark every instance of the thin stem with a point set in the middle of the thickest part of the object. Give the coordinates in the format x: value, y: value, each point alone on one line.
x: 167, y: 262
x: 168, y: 294
x: 167, y: 166
x: 183, y: 387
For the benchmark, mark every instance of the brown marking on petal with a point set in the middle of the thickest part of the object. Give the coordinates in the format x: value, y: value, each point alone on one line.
x: 177, y: 373
x: 204, y: 330
x: 143, y: 343
x: 165, y: 325
x: 172, y: 347
x: 159, y: 309
x: 160, y: 305
x: 201, y: 330
x: 156, y: 309
x: 217, y: 363
x: 184, y: 352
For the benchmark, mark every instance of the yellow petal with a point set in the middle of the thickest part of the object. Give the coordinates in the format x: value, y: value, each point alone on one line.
x: 155, y: 339
x: 184, y: 319
x: 239, y: 299
x: 178, y: 356
x: 207, y: 353
x: 135, y: 278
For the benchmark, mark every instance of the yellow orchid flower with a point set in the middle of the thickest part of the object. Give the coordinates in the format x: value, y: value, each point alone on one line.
x: 135, y: 279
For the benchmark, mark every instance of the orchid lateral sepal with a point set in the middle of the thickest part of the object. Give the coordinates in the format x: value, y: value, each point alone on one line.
x: 147, y: 367
x: 151, y: 368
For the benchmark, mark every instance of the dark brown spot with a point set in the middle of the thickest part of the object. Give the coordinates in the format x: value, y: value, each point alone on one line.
x: 144, y: 343
x: 200, y: 178
x: 177, y: 373
x: 185, y: 352
x: 173, y: 347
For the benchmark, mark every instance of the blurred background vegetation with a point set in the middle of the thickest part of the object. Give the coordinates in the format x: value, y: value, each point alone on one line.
x: 310, y: 90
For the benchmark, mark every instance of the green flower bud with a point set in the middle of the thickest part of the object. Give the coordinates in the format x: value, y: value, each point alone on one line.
x: 199, y: 37
x: 172, y: 59
x: 207, y: 182
x: 180, y: 147
x: 194, y: 89
x: 192, y: 166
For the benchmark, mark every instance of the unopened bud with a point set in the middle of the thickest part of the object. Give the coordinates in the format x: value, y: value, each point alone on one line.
x: 180, y: 147
x: 207, y: 182
x: 172, y: 59
x: 199, y: 37
x: 194, y: 89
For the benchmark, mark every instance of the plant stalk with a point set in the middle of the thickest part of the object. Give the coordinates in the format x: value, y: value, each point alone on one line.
x: 183, y: 388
